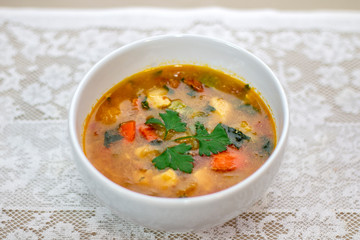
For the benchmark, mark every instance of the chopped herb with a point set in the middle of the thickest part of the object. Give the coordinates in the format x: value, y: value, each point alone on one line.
x: 192, y: 93
x: 247, y: 87
x: 236, y: 137
x: 178, y: 106
x: 171, y: 121
x: 249, y: 109
x: 214, y: 142
x: 267, y: 146
x: 111, y: 136
x: 170, y: 91
x: 175, y: 158
x: 210, y: 108
x: 209, y: 80
x: 145, y: 104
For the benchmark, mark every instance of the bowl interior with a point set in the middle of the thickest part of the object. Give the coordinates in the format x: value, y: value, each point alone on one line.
x: 172, y: 50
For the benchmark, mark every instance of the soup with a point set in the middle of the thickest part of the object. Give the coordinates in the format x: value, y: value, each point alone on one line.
x: 179, y: 131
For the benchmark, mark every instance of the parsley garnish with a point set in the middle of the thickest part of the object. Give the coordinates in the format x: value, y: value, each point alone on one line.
x: 175, y: 158
x: 171, y: 121
x: 214, y: 142
x: 209, y: 143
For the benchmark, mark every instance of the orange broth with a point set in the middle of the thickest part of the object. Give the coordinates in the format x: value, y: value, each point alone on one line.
x: 122, y: 147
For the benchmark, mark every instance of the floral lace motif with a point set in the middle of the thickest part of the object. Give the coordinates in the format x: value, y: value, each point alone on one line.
x: 316, y: 194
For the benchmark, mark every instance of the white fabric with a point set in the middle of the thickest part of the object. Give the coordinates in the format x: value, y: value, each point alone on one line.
x: 45, y: 53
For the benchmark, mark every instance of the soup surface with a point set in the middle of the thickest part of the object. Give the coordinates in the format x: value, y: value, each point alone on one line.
x: 179, y: 131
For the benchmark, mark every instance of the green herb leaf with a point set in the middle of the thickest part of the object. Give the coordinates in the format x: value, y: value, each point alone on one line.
x: 154, y: 121
x: 111, y: 136
x: 210, y: 108
x: 175, y: 158
x: 236, y: 137
x: 247, y: 87
x: 192, y: 93
x: 268, y: 146
x: 171, y: 120
x: 248, y: 109
x: 179, y: 106
x: 170, y: 91
x: 209, y: 80
x: 214, y: 142
x: 145, y: 104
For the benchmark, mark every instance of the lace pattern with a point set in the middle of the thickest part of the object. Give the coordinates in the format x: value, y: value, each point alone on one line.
x: 316, y: 56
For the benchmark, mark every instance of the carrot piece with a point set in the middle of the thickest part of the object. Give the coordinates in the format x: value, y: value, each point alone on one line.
x: 195, y: 84
x: 228, y: 160
x: 148, y: 132
x: 128, y: 130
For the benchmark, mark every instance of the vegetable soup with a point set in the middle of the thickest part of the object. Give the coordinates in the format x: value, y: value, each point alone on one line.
x: 179, y: 131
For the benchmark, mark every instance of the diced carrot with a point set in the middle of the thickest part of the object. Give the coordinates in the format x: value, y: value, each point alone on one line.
x: 195, y: 84
x: 128, y: 130
x: 148, y: 132
x: 228, y: 160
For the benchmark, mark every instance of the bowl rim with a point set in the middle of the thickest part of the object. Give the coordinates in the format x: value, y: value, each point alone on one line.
x: 132, y: 195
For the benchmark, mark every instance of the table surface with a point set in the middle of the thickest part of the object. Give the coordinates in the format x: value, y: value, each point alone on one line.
x: 235, y: 4
x: 45, y: 53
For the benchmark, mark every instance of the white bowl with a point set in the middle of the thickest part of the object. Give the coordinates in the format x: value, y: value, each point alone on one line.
x: 183, y: 214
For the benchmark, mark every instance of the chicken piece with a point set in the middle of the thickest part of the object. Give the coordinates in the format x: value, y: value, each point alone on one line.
x: 203, y: 178
x: 146, y: 151
x: 222, y: 107
x: 187, y: 189
x: 142, y: 177
x: 166, y: 179
x: 157, y: 98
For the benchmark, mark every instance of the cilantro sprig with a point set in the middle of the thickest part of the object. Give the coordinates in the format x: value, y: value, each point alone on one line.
x: 175, y: 158
x: 170, y: 120
x: 214, y: 142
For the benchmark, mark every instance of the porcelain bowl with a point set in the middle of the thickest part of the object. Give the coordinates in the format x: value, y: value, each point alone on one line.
x: 183, y: 214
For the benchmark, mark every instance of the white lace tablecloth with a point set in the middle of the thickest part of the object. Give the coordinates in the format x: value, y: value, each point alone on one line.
x: 45, y: 53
